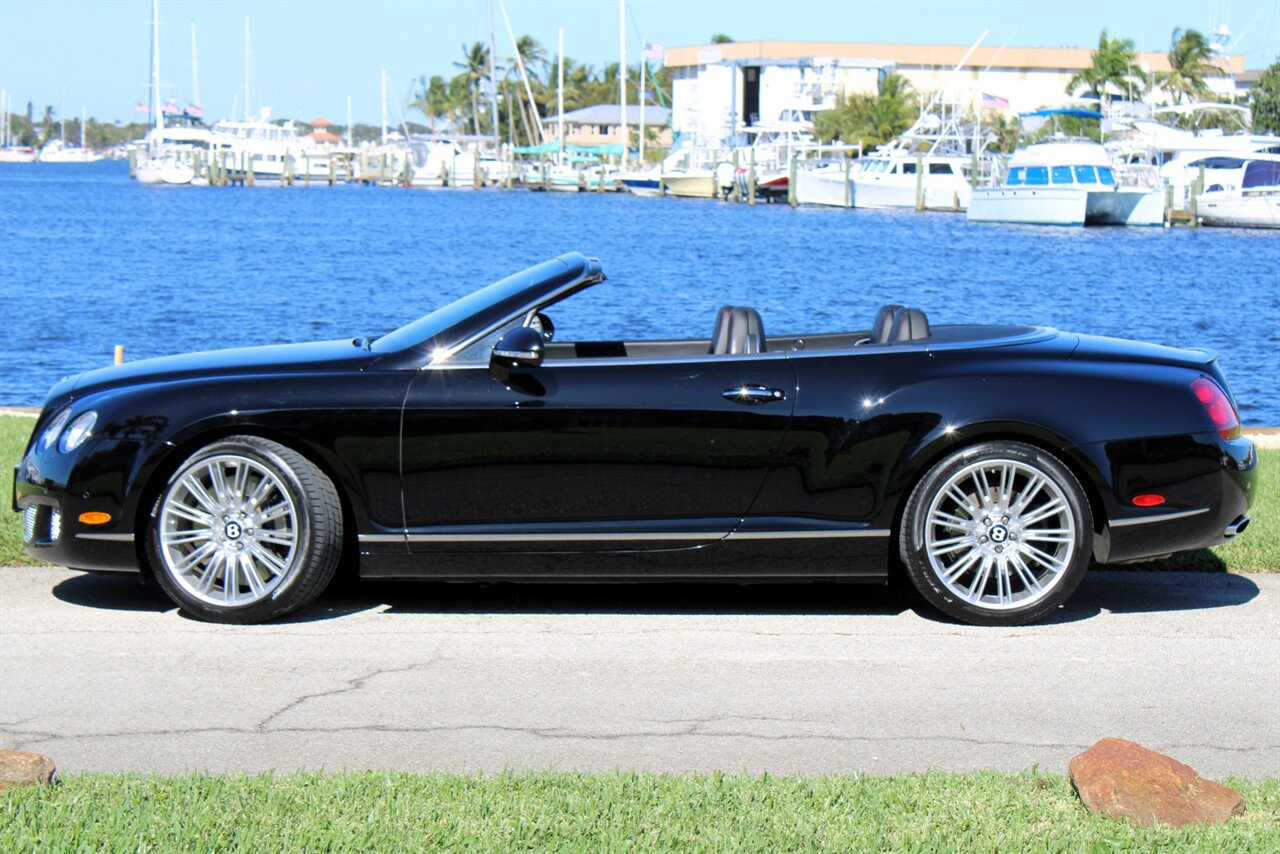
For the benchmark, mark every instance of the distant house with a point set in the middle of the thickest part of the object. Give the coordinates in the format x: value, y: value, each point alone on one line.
x: 600, y: 125
x: 320, y: 132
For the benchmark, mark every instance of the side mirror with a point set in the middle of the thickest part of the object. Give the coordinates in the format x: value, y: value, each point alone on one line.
x: 519, y: 348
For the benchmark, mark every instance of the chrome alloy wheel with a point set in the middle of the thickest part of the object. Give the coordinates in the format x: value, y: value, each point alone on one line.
x: 229, y: 531
x: 1000, y: 534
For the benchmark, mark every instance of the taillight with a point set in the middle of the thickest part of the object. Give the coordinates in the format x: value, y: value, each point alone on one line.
x: 1221, y: 412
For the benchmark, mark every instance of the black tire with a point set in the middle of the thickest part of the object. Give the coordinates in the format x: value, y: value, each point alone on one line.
x: 987, y: 559
x: 245, y: 530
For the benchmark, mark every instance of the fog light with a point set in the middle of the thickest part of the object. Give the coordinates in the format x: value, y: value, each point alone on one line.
x: 55, y: 525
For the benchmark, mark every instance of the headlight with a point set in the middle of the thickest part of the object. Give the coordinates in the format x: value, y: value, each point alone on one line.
x: 50, y: 434
x: 77, y: 432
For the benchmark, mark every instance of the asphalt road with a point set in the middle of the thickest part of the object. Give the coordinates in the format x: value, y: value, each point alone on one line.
x: 104, y: 676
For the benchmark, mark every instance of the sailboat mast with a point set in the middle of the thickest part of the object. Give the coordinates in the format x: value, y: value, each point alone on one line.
x: 157, y: 120
x: 195, y: 68
x: 348, y: 121
x: 622, y: 73
x: 83, y: 117
x: 493, y: 79
x: 640, y: 99
x: 384, y: 106
x: 246, y: 68
x: 560, y: 95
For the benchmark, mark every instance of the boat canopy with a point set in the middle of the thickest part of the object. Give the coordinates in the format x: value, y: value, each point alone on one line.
x: 1072, y: 112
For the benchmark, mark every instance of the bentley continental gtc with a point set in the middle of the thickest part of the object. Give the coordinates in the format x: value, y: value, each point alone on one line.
x: 990, y: 465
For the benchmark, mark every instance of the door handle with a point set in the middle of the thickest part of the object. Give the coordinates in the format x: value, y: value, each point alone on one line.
x: 753, y: 395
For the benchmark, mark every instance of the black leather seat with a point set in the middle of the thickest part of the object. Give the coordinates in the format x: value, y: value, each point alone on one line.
x: 738, y: 330
x: 883, y: 324
x: 909, y: 324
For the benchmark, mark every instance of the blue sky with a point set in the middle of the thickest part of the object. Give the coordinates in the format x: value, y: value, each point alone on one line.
x: 309, y: 55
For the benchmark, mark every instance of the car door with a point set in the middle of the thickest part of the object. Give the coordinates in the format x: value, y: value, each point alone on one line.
x: 590, y: 454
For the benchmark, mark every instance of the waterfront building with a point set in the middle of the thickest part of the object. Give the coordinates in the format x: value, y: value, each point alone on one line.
x: 717, y: 89
x: 599, y: 124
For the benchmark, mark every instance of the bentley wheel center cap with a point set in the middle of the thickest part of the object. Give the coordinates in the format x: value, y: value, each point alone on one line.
x: 233, y: 530
x: 999, y: 534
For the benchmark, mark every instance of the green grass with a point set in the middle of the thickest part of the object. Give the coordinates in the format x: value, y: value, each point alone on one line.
x: 631, y: 812
x: 1258, y: 550
x: 15, y: 430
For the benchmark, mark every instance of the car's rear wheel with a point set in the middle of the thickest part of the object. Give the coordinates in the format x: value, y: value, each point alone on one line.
x: 997, y: 534
x: 245, y: 530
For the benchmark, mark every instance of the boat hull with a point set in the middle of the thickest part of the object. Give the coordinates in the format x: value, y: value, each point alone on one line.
x: 700, y: 186
x: 1233, y: 211
x: 1067, y: 206
x: 882, y: 192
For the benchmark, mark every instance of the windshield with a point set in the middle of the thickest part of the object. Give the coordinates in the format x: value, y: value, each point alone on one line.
x: 476, y: 312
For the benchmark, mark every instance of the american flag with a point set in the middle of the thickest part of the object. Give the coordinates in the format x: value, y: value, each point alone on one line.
x: 142, y: 108
x: 195, y: 110
x: 652, y: 52
x: 994, y: 102
x: 171, y: 108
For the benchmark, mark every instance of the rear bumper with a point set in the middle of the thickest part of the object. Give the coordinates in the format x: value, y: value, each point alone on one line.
x: 1206, y: 483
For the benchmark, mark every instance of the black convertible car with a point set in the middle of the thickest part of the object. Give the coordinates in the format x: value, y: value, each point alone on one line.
x: 991, y: 464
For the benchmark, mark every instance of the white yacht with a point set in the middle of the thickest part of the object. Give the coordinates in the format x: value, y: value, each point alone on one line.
x: 1251, y: 202
x: 1065, y: 182
x: 57, y: 151
x: 929, y: 166
x: 698, y: 173
x: 275, y: 150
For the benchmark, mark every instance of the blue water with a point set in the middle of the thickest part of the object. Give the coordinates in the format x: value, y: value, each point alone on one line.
x: 90, y: 259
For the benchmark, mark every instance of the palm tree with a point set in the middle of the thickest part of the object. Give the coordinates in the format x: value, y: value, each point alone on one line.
x: 475, y: 65
x: 433, y: 99
x: 1112, y: 62
x: 1190, y: 62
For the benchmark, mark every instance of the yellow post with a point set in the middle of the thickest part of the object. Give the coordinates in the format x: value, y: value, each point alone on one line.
x: 119, y: 354
x: 848, y: 191
x: 751, y: 179
x: 133, y: 163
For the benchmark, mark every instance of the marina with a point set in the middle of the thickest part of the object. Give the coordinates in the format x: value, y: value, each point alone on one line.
x: 102, y: 261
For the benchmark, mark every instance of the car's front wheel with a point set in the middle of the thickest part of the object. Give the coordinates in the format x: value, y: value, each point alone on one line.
x: 997, y: 534
x: 245, y: 530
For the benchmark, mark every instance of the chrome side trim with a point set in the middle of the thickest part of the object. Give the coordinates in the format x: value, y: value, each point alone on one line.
x: 646, y: 536
x: 109, y: 538
x: 566, y: 537
x: 1163, y: 517
x: 808, y: 535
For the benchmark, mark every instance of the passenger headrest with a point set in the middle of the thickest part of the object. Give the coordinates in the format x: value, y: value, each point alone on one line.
x: 909, y: 324
x: 738, y: 330
x: 883, y: 323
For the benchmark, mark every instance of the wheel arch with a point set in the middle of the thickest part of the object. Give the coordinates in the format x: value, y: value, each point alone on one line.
x: 164, y: 467
x: 943, y: 444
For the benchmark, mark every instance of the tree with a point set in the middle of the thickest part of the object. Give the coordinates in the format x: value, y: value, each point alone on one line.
x: 869, y: 119
x: 1112, y: 62
x: 433, y: 100
x: 1190, y: 62
x: 475, y: 66
x: 1264, y: 101
x: 721, y: 38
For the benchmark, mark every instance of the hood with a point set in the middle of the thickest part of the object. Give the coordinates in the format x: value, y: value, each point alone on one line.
x: 275, y: 359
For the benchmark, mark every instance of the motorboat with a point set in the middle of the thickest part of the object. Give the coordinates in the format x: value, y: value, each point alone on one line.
x: 273, y: 151
x: 56, y: 151
x: 929, y: 166
x: 1065, y: 182
x: 1252, y: 203
x: 643, y: 182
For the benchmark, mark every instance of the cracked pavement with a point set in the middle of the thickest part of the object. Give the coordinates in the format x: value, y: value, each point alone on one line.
x: 103, y: 675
